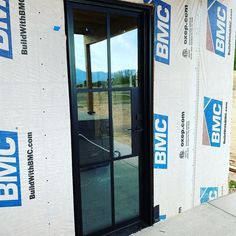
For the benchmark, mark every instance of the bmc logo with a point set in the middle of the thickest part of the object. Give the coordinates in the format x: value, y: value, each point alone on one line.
x: 208, y: 194
x: 216, y: 27
x: 160, y: 141
x: 212, y: 121
x: 5, y: 30
x: 162, y: 31
x: 10, y: 189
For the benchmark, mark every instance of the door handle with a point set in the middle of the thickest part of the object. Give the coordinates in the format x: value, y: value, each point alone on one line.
x: 136, y: 130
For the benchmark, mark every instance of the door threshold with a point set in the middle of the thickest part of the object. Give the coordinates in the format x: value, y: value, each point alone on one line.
x: 122, y: 229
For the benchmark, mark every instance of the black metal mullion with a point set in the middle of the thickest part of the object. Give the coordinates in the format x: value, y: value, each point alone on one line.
x: 107, y: 5
x: 116, y: 89
x: 106, y: 162
x: 110, y: 117
x: 141, y: 85
x: 74, y: 120
x: 118, y: 228
x: 86, y: 90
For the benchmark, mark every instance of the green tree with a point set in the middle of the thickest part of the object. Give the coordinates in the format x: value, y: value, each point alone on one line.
x: 235, y: 60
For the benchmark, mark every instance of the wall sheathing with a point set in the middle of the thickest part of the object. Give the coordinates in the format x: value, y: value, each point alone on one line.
x: 34, y: 99
x: 175, y: 102
x: 194, y: 45
x: 192, y: 104
x: 216, y: 60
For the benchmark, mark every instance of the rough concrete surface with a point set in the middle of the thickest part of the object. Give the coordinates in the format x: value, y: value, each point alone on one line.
x: 216, y: 218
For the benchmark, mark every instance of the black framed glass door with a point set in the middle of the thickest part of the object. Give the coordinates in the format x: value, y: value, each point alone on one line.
x: 108, y: 119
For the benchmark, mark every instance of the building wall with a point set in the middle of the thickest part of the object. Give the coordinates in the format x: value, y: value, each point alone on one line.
x: 175, y: 97
x: 35, y: 143
x: 193, y: 81
x: 214, y: 101
x: 35, y: 115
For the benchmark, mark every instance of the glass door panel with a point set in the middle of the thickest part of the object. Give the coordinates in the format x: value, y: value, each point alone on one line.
x: 126, y: 173
x: 90, y: 44
x: 124, y: 51
x: 99, y: 64
x: 124, y: 74
x: 94, y: 139
x: 96, y: 198
x: 122, y: 136
x: 107, y: 109
x: 90, y: 39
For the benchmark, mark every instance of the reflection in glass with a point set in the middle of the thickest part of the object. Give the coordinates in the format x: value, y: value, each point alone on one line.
x: 99, y: 64
x: 124, y: 51
x: 81, y: 73
x: 121, y: 104
x: 90, y: 40
x: 126, y: 176
x: 96, y: 199
x: 93, y: 127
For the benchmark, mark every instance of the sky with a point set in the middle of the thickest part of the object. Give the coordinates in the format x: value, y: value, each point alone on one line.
x: 123, y: 53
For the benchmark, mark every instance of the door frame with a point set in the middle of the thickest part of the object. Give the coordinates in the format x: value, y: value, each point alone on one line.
x: 146, y: 73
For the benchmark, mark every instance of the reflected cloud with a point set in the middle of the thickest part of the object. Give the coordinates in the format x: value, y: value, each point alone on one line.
x: 123, y: 53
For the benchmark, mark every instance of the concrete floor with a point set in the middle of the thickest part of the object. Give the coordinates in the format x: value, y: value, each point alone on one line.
x: 216, y: 218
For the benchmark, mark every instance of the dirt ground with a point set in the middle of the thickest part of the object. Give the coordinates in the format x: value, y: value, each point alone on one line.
x: 121, y: 107
x: 233, y: 134
x: 232, y: 174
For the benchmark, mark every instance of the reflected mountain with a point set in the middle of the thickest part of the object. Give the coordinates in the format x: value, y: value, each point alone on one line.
x: 99, y: 78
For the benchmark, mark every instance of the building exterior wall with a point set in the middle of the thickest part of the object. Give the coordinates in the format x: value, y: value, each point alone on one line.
x: 35, y: 141
x: 175, y: 98
x: 192, y: 156
x: 34, y: 100
x: 216, y: 60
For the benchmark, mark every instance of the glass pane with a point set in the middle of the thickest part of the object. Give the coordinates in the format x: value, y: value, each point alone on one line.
x: 93, y: 127
x: 126, y: 189
x: 121, y: 102
x: 90, y: 39
x: 124, y: 51
x: 96, y: 198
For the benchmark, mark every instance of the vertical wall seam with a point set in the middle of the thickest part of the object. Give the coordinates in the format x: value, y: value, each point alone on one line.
x: 197, y: 68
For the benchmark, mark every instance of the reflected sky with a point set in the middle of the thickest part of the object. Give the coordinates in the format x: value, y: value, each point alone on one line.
x: 123, y: 53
